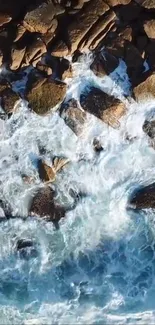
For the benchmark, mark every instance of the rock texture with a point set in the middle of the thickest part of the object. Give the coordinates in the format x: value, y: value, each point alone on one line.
x: 144, y: 198
x: 105, y: 107
x: 145, y: 89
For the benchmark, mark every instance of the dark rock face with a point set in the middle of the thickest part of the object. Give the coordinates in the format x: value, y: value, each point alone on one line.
x: 143, y: 198
x: 104, y: 63
x: 107, y: 108
x: 149, y: 128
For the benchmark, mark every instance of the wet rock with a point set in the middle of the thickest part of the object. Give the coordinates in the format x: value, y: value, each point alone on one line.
x: 26, y: 248
x: 17, y: 55
x: 113, y: 3
x: 42, y: 19
x: 73, y: 115
x: 97, y: 145
x: 103, y: 64
x: 45, y: 96
x: 149, y: 128
x: 145, y: 89
x: 48, y: 173
x: 148, y: 4
x: 8, y: 98
x: 105, y: 107
x: 44, y: 205
x: 47, y: 71
x: 150, y: 54
x: 4, y: 19
x: 34, y: 51
x: 149, y: 27
x: 129, y: 12
x: 143, y: 198
x: 20, y: 31
x: 60, y: 49
x: 115, y: 45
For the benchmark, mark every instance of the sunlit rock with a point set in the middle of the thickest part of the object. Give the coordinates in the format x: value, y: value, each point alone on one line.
x: 143, y: 198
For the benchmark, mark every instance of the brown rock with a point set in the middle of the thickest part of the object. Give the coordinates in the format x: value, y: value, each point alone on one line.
x: 116, y: 45
x: 43, y: 205
x: 47, y: 71
x: 4, y: 19
x: 46, y: 96
x: 143, y: 198
x: 145, y: 89
x: 113, y: 3
x: 20, y: 32
x: 41, y: 18
x: 150, y: 54
x: 98, y: 32
x: 85, y: 20
x: 34, y: 51
x: 73, y: 115
x: 8, y: 98
x: 105, y: 107
x: 149, y: 27
x: 148, y: 4
x: 104, y: 63
x: 48, y: 173
x: 17, y: 56
x: 60, y: 49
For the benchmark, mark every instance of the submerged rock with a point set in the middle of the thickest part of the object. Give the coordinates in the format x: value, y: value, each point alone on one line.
x: 8, y: 98
x: 45, y: 205
x: 106, y: 107
x: 143, y: 198
x: 25, y: 248
x: 149, y: 128
x: 74, y: 117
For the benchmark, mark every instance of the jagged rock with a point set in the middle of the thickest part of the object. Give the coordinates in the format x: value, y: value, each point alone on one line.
x: 8, y: 98
x: 17, y: 55
x: 86, y: 18
x: 47, y: 71
x: 4, y: 19
x: 104, y: 63
x: 46, y: 96
x: 98, y: 31
x: 143, y: 198
x: 146, y: 89
x: 42, y: 19
x: 34, y: 51
x: 149, y: 128
x: 116, y: 44
x: 107, y: 108
x: 44, y: 205
x: 149, y: 27
x: 150, y: 54
x: 48, y: 173
x: 148, y: 4
x: 74, y: 117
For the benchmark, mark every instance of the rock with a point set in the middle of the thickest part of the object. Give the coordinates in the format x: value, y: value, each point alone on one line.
x: 145, y: 89
x: 113, y: 3
x: 149, y: 27
x: 34, y: 51
x: 8, y: 98
x: 74, y: 117
x: 59, y: 49
x: 17, y: 55
x: 116, y: 44
x: 149, y: 128
x: 26, y: 248
x: 4, y: 19
x: 106, y: 107
x: 47, y: 71
x: 150, y: 54
x: 97, y: 145
x: 148, y: 4
x: 98, y: 32
x: 85, y: 19
x: 48, y: 173
x: 21, y: 30
x: 44, y: 205
x: 61, y: 67
x: 41, y: 19
x: 104, y: 63
x: 143, y: 198
x: 134, y: 61
x: 46, y: 96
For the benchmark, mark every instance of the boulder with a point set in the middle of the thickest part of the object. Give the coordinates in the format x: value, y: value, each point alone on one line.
x: 105, y: 107
x: 149, y: 128
x: 46, y: 95
x: 17, y: 55
x: 104, y: 63
x: 44, y: 205
x: 143, y: 198
x: 145, y: 89
x: 48, y: 173
x: 42, y: 19
x: 150, y: 54
x: 148, y: 4
x: 34, y: 50
x: 129, y: 12
x: 149, y: 27
x: 8, y: 98
x: 74, y: 117
x: 115, y: 45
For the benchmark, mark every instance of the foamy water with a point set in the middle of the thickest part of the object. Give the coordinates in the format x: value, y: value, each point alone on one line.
x: 99, y: 267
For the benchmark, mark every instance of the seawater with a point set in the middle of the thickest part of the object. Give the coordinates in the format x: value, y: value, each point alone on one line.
x: 99, y: 268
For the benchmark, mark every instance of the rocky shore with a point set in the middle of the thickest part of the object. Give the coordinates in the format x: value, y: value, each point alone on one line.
x: 39, y: 41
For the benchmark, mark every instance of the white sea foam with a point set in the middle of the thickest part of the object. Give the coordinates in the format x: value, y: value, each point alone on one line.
x: 99, y: 267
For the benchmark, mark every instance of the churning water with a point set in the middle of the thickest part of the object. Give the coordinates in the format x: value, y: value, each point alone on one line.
x: 99, y: 268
